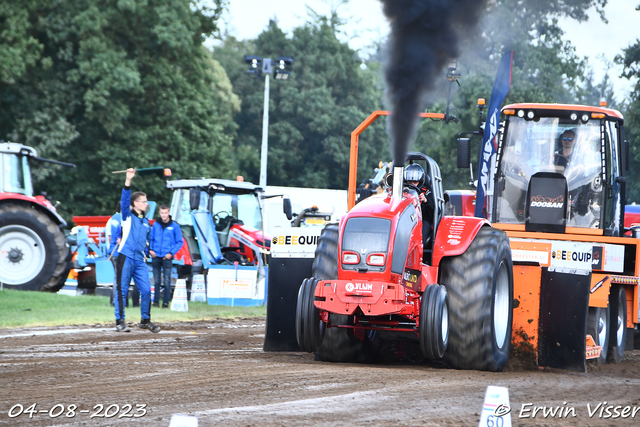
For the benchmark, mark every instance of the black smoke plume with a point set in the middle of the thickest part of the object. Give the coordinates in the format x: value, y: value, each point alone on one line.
x: 424, y: 38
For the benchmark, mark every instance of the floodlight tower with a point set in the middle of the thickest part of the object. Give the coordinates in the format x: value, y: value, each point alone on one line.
x: 281, y: 69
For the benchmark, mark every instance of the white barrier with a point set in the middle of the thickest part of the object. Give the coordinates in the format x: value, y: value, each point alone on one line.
x: 69, y: 288
x: 179, y: 301
x: 496, y: 410
x: 179, y: 420
x: 198, y: 289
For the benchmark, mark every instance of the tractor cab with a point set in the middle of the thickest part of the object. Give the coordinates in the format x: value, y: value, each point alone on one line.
x: 209, y: 209
x: 559, y: 169
x: 16, y: 173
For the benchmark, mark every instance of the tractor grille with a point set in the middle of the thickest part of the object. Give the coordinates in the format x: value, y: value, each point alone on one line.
x: 365, y: 237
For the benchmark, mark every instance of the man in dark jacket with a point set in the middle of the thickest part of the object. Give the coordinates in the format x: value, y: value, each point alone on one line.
x: 166, y: 241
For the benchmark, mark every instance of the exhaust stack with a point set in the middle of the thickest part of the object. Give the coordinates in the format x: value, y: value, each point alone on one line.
x: 398, y: 172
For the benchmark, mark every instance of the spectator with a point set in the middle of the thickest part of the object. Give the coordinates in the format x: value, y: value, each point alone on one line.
x: 166, y: 241
x: 131, y: 260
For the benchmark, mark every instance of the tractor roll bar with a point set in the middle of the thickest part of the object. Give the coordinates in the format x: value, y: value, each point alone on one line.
x: 355, y: 135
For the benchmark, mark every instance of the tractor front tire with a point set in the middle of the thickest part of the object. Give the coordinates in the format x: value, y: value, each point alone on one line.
x: 339, y: 345
x: 310, y: 329
x: 479, y: 283
x: 434, y: 322
x: 34, y: 253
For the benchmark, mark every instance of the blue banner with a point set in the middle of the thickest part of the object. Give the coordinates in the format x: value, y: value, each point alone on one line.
x: 501, y: 87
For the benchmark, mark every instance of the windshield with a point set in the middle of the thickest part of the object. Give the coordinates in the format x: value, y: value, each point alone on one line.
x: 16, y: 175
x: 551, y: 145
x: 244, y: 207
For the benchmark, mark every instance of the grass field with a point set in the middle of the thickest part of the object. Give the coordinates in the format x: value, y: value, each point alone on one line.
x: 20, y: 309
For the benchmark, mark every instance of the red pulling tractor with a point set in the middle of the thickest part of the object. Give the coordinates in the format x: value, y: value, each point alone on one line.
x: 379, y: 275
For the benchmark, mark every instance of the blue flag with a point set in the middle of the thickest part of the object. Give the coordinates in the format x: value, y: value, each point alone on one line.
x: 501, y: 86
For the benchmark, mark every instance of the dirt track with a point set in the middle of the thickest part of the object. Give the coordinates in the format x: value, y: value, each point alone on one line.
x: 218, y: 372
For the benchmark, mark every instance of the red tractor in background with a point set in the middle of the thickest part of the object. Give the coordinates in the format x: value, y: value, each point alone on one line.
x: 34, y: 254
x: 375, y: 278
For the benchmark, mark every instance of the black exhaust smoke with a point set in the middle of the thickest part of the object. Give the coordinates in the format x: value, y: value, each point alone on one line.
x: 424, y: 37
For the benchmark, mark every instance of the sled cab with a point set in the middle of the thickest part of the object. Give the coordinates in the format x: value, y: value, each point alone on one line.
x: 558, y: 169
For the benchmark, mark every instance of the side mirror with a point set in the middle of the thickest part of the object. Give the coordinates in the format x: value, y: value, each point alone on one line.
x: 464, y: 153
x: 194, y: 198
x: 286, y: 208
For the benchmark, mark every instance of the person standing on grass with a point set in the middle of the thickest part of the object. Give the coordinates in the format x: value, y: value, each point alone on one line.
x: 133, y: 250
x: 166, y: 241
x: 113, y: 231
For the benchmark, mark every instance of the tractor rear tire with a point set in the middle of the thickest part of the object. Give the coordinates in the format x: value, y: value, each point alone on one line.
x: 479, y: 283
x: 434, y: 322
x: 618, y: 324
x: 310, y: 329
x: 598, y: 326
x: 339, y: 345
x: 35, y: 252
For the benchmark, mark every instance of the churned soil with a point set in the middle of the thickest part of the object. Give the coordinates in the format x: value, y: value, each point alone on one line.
x: 217, y: 371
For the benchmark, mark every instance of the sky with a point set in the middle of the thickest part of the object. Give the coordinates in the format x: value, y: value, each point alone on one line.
x: 246, y: 19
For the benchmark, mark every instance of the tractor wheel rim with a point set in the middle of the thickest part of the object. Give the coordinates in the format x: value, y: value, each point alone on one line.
x: 22, y: 254
x: 445, y: 324
x: 501, y: 305
x: 621, y: 326
x: 602, y: 327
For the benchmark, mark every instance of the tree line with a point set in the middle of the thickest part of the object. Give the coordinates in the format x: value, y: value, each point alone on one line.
x: 112, y: 84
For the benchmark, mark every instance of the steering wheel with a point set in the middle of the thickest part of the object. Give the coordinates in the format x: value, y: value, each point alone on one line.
x: 560, y: 160
x: 217, y: 217
x: 412, y: 187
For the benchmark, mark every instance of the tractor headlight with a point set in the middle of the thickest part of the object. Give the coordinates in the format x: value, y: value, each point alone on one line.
x: 350, y: 258
x: 376, y: 259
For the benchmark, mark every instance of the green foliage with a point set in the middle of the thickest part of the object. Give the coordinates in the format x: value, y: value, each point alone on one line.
x: 113, y: 84
x: 545, y: 69
x: 630, y: 59
x: 312, y: 114
x: 29, y: 309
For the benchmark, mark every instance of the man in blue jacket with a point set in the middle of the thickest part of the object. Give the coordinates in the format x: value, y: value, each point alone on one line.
x: 131, y: 261
x: 166, y: 241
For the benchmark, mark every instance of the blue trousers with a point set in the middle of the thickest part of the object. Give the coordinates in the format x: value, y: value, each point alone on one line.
x: 162, y: 265
x: 137, y: 269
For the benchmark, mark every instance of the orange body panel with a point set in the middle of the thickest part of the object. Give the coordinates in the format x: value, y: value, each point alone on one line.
x: 526, y: 311
x: 632, y: 305
x: 568, y: 230
x: 565, y: 107
x: 600, y: 297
